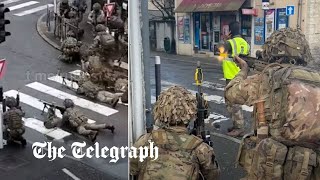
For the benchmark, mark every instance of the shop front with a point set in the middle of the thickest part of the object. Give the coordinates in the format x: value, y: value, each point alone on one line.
x: 210, y: 23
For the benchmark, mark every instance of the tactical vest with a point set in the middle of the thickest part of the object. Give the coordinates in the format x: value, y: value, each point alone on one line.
x: 291, y: 105
x: 77, y: 117
x: 239, y: 47
x: 176, y: 159
x: 15, y: 120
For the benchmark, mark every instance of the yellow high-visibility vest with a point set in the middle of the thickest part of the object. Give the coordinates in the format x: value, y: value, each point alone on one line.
x: 239, y: 47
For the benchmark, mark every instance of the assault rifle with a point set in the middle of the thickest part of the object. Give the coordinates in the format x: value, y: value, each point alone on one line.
x: 51, y: 105
x: 202, y: 106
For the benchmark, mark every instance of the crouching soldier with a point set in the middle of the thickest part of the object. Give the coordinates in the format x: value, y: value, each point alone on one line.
x: 79, y: 122
x: 14, y: 128
x: 70, y: 48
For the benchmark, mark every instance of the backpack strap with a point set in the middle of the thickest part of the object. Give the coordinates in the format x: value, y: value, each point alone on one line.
x: 269, y: 162
x: 304, y: 168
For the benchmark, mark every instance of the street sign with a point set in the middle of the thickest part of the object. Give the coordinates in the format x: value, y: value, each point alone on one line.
x: 2, y: 67
x: 290, y: 10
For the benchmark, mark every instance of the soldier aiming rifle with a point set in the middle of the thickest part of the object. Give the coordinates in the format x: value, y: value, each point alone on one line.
x: 51, y: 105
x: 202, y: 108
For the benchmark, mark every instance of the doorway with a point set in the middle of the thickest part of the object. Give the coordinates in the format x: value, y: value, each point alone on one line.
x: 205, y: 31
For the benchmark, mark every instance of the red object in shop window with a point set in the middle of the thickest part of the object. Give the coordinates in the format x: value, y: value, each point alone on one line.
x: 253, y: 12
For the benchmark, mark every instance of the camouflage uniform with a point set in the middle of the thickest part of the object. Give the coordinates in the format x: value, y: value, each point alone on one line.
x: 79, y: 122
x: 96, y: 16
x: 70, y: 48
x: 64, y: 8
x: 13, y: 120
x: 52, y: 120
x: 95, y: 91
x: 285, y: 144
x: 103, y: 41
x: 181, y: 156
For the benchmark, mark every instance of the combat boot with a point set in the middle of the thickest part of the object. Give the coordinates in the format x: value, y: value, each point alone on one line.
x: 110, y: 127
x: 114, y: 102
x: 93, y: 136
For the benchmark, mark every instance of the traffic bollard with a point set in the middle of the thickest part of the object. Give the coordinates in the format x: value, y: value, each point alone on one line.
x: 158, y: 76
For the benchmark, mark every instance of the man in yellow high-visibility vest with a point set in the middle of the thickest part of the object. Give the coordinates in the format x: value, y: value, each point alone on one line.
x: 236, y: 46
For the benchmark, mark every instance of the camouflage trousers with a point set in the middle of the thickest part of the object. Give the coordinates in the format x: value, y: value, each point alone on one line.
x: 89, y: 129
x: 16, y: 134
x: 236, y: 113
x: 52, y: 122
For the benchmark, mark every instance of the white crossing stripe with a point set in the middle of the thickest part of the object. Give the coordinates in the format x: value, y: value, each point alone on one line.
x: 211, y: 98
x: 9, y: 2
x: 23, y: 5
x: 33, y: 10
x: 106, y: 111
x: 212, y: 85
x: 38, y: 125
x: 222, y: 79
x: 68, y: 83
x: 34, y: 102
x: 76, y: 72
x: 216, y: 118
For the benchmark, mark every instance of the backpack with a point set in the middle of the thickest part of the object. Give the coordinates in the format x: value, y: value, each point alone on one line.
x: 271, y: 159
x: 292, y: 106
x: 176, y: 158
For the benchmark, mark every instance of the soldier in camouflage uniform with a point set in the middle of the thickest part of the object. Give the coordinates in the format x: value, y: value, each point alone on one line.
x: 103, y: 42
x: 64, y: 8
x: 93, y: 91
x: 70, y: 48
x: 285, y: 144
x: 77, y: 121
x: 13, y: 123
x: 181, y: 156
x: 52, y: 120
x: 96, y: 16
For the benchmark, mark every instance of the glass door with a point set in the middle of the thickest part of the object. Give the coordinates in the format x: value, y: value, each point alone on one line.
x: 205, y: 31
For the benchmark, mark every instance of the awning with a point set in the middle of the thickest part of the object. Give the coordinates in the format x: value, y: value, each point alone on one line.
x: 209, y: 5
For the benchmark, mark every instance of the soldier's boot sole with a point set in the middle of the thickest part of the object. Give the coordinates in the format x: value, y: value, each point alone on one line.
x: 115, y: 103
x: 23, y: 142
x: 111, y: 128
x: 93, y: 136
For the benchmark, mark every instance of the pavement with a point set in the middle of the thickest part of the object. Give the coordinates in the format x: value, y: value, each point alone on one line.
x: 179, y: 70
x: 32, y: 66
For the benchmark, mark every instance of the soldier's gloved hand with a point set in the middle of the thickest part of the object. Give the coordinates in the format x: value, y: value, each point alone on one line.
x: 241, y: 62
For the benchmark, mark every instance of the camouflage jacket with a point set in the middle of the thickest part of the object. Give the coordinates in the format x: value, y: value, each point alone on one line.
x: 74, y: 117
x: 103, y: 40
x: 96, y: 18
x: 181, y: 156
x: 13, y: 118
x: 69, y: 43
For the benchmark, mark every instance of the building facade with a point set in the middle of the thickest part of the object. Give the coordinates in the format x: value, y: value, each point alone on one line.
x: 202, y: 24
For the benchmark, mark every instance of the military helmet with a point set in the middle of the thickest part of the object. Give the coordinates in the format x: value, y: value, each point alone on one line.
x: 65, y: 1
x: 175, y: 106
x: 71, y: 34
x: 96, y: 6
x: 68, y: 103
x: 288, y: 46
x: 100, y: 28
x: 11, y: 102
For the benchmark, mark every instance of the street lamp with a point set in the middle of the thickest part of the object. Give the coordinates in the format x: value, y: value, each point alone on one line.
x: 3, y: 23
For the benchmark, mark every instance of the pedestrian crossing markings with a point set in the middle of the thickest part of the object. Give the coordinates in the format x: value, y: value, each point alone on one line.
x: 37, y: 125
x: 22, y: 5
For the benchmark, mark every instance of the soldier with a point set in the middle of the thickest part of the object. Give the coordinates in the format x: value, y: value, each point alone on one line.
x: 13, y: 121
x: 64, y: 8
x: 79, y: 122
x: 103, y: 39
x: 96, y: 91
x: 181, y: 156
x: 286, y: 141
x: 70, y: 48
x: 80, y: 7
x: 96, y: 17
x: 52, y: 120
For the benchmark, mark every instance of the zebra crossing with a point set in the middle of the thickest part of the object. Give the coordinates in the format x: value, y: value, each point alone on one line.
x: 216, y: 99
x: 34, y: 102
x: 22, y: 8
